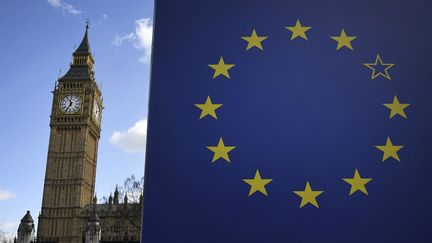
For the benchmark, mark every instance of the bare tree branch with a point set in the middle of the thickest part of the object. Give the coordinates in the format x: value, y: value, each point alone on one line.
x: 133, y: 188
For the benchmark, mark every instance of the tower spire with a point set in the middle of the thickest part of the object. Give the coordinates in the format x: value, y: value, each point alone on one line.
x: 83, y: 57
x: 116, y: 195
x: 87, y: 24
x: 84, y: 47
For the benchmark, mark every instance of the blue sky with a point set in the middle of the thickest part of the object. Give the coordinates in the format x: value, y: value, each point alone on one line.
x: 37, y: 40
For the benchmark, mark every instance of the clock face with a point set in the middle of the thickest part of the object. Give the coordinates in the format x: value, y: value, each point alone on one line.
x: 96, y: 111
x: 70, y: 104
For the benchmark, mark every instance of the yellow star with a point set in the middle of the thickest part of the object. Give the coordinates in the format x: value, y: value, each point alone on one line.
x: 221, y: 151
x: 390, y: 150
x: 308, y: 196
x: 254, y: 40
x: 397, y: 108
x: 343, y: 40
x: 221, y: 68
x: 208, y: 108
x: 357, y: 183
x: 298, y: 30
x: 381, y: 66
x: 257, y: 184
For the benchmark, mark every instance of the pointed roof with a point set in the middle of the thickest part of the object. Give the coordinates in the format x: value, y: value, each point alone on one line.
x: 84, y: 47
x: 27, y: 218
x: 82, y: 64
x: 110, y: 199
x: 116, y: 195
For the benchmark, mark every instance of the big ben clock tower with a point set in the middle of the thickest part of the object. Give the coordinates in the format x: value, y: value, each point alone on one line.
x: 72, y: 153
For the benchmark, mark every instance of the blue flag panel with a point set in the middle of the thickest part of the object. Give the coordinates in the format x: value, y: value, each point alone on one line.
x: 289, y: 121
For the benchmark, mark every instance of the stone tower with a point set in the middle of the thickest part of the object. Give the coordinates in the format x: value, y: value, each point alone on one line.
x: 72, y: 153
x: 26, y: 229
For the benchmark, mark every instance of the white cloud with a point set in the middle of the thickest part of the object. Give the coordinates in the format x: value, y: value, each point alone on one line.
x: 118, y: 40
x: 132, y: 140
x: 6, y: 195
x: 141, y: 38
x: 65, y: 7
x: 144, y: 31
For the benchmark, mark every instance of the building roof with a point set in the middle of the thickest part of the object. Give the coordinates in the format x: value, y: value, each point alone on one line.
x: 80, y: 72
x: 84, y: 47
x: 26, y: 224
x: 103, y: 210
x: 27, y: 218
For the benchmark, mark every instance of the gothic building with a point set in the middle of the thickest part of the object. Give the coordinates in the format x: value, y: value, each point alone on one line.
x: 70, y: 213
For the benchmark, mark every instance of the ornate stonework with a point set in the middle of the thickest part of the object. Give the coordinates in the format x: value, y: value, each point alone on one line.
x: 72, y: 153
x: 69, y: 212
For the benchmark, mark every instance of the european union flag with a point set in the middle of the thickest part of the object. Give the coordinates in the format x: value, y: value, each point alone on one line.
x: 290, y: 121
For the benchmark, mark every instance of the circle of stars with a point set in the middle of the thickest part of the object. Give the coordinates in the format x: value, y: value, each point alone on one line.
x: 258, y: 184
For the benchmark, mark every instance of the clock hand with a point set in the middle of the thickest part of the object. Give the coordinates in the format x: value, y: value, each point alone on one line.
x: 70, y: 103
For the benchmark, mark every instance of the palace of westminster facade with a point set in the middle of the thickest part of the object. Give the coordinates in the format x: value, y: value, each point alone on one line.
x: 70, y: 213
